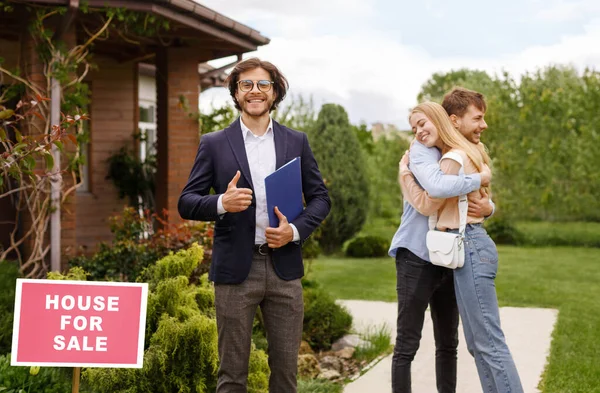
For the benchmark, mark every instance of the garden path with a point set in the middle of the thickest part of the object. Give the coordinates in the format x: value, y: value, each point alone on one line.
x: 528, y: 332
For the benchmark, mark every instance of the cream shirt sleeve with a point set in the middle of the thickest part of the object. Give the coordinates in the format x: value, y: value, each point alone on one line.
x: 417, y: 197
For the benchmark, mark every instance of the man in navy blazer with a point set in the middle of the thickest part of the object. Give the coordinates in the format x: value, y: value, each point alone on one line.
x: 254, y: 264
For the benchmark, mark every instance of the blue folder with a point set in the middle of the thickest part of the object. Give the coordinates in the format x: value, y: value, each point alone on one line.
x: 284, y: 190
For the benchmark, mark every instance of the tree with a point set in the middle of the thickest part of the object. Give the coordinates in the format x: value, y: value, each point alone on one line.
x: 365, y: 138
x: 298, y: 113
x: 542, y: 136
x: 441, y: 83
x: 343, y: 167
x: 383, y: 175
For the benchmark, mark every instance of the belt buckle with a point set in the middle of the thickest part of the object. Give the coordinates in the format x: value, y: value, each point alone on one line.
x: 266, y: 249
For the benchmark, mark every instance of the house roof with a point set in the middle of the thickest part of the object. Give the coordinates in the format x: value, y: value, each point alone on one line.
x: 209, y: 76
x: 189, y: 17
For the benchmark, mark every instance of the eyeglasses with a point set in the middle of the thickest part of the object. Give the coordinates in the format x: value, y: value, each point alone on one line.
x: 247, y: 85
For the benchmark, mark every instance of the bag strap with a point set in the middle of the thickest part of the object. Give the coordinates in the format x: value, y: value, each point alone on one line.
x: 463, y: 205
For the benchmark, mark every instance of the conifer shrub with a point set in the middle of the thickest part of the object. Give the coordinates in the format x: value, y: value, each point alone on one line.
x: 181, y: 353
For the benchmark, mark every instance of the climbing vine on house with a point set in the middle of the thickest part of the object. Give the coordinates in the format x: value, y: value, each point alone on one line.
x: 27, y: 136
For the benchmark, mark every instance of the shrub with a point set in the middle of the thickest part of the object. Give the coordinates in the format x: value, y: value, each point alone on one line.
x: 368, y: 247
x: 503, y: 231
x: 338, y: 152
x: 9, y: 272
x: 136, y: 245
x: 325, y: 321
x: 181, y: 353
x: 21, y: 379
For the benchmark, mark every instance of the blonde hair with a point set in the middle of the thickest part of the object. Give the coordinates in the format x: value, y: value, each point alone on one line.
x: 450, y: 136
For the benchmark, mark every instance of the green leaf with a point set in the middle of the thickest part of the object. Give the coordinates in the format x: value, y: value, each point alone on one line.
x: 3, y: 136
x: 49, y: 161
x: 6, y: 114
x: 59, y: 144
x: 1, y: 185
x: 18, y: 136
x: 19, y: 146
x: 29, y: 162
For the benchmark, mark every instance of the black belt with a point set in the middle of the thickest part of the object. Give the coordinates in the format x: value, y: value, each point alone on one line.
x: 262, y: 249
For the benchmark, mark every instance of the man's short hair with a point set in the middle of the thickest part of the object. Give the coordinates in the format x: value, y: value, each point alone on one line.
x: 459, y: 99
x: 280, y: 84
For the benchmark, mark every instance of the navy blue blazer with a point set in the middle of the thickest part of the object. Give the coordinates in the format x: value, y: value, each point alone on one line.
x: 219, y: 156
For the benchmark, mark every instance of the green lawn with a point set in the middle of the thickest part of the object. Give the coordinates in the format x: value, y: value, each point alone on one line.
x: 564, y: 278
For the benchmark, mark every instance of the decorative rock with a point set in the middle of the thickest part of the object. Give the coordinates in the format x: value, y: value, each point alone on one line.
x: 305, y: 348
x: 331, y: 363
x: 329, y: 374
x: 346, y: 353
x: 308, y: 366
x: 350, y: 340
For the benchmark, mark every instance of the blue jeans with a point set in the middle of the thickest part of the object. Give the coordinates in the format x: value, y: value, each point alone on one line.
x: 478, y: 308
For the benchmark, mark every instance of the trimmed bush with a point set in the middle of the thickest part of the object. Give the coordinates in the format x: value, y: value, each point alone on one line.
x: 368, y: 247
x: 325, y: 321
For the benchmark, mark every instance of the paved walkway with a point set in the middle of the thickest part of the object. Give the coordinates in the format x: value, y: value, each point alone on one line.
x: 528, y: 333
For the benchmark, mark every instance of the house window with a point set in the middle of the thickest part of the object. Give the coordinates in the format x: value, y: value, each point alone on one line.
x: 147, y: 127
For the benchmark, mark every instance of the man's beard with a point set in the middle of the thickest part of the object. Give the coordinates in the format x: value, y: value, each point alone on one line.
x: 245, y: 104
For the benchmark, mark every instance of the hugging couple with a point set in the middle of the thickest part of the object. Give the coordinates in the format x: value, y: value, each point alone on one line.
x: 447, y: 165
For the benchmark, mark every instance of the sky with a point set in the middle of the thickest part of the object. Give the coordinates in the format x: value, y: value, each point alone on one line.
x: 373, y: 56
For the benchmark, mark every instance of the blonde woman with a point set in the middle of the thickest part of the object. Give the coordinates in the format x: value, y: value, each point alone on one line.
x: 474, y: 282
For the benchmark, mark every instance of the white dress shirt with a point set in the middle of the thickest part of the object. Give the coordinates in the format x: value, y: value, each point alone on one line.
x: 260, y: 151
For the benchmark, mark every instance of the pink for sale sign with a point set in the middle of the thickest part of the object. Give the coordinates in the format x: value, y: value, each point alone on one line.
x: 79, y: 324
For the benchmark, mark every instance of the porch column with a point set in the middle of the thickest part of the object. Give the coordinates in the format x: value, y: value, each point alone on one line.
x: 177, y: 85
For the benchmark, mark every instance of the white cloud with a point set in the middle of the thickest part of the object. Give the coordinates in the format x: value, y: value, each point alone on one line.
x: 579, y: 50
x: 292, y: 18
x: 562, y: 11
x: 371, y: 72
x: 241, y: 8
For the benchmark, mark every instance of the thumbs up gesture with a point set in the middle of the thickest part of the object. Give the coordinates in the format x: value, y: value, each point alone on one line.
x: 236, y: 199
x: 282, y: 235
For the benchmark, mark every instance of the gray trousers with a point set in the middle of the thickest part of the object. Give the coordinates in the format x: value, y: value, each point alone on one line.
x: 282, y: 308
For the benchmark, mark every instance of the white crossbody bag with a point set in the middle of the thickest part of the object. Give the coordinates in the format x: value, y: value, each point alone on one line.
x: 446, y: 248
